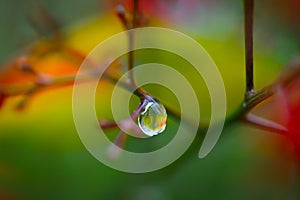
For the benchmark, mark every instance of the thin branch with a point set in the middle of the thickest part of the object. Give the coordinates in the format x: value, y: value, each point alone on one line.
x: 44, y: 81
x: 44, y: 22
x: 135, y: 13
x: 131, y: 42
x: 248, y: 25
x: 265, y: 124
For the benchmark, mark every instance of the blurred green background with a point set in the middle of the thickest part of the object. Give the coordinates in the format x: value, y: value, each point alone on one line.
x: 42, y: 157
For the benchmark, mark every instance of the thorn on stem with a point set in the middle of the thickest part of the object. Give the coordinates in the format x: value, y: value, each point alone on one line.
x: 266, y: 124
x: 22, y: 104
x: 24, y: 65
x: 249, y: 94
x: 107, y: 124
x: 114, y: 151
x: 43, y: 80
x: 121, y: 13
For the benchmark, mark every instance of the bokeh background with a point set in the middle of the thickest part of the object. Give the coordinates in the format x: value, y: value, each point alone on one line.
x: 42, y: 157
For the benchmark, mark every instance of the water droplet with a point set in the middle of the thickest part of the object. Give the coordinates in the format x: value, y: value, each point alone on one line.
x: 152, y: 118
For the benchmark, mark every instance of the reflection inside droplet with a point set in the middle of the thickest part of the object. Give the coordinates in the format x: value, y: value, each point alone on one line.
x: 153, y: 118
